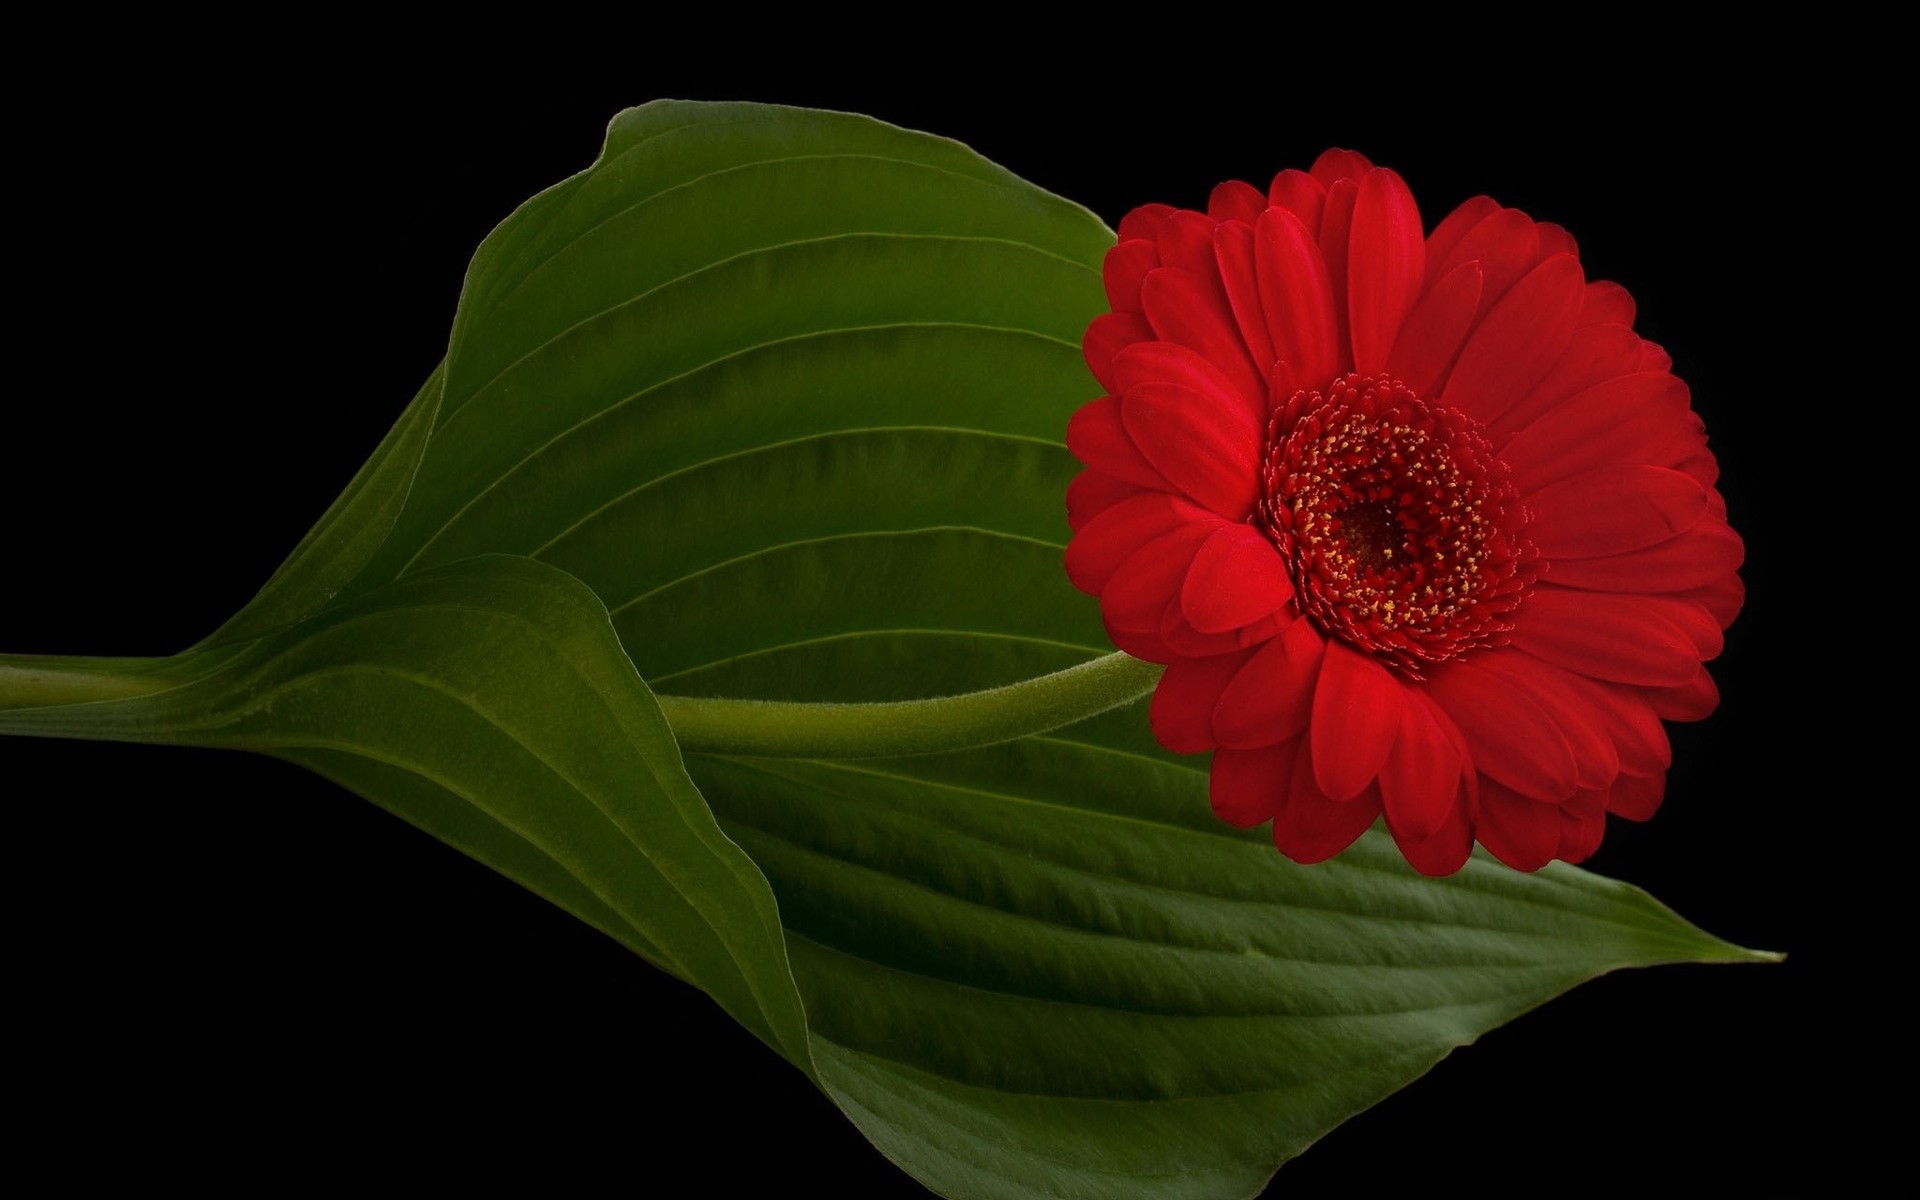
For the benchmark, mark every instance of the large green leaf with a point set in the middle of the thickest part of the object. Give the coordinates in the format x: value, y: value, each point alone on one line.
x: 1045, y: 969
x: 489, y: 703
x: 785, y: 391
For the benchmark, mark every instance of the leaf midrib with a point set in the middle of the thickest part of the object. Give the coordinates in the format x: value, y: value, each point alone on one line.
x: 946, y: 832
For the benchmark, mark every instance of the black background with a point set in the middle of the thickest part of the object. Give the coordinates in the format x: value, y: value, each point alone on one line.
x: 235, y: 277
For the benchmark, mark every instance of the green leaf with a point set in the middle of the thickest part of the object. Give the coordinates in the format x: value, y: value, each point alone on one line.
x: 740, y: 307
x: 336, y: 551
x: 1045, y: 969
x: 782, y: 393
x: 489, y: 703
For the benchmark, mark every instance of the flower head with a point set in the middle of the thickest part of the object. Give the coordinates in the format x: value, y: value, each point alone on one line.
x: 1417, y: 522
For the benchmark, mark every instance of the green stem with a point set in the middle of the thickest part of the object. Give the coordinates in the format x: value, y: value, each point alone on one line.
x: 46, y: 681
x: 792, y: 730
x: 106, y: 698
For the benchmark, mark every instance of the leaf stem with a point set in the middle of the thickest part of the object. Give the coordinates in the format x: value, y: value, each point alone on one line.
x: 103, y: 699
x: 778, y: 729
x: 58, y: 696
x: 43, y: 681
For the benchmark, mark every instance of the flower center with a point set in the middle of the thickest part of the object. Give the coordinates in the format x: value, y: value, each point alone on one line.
x: 1400, y: 526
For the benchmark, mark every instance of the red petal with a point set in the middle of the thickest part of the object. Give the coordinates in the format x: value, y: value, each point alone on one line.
x: 1233, y: 250
x: 1555, y: 240
x: 1637, y: 797
x: 1310, y: 828
x: 1187, y: 309
x: 1141, y: 643
x: 1125, y: 270
x: 1247, y: 787
x: 1260, y: 632
x: 1297, y: 296
x: 1650, y: 440
x: 1583, y: 823
x: 1109, y: 334
x: 1300, y: 194
x: 1693, y: 702
x: 1614, y: 510
x: 1148, y: 579
x: 1517, y: 831
x: 1560, y: 695
x: 1282, y: 381
x: 1182, y: 710
x: 1186, y: 242
x: 1385, y: 261
x: 1434, y: 330
x: 1606, y: 303
x: 1237, y: 578
x: 1236, y: 201
x: 1420, y: 782
x: 1097, y: 438
x: 1452, y: 228
x: 1505, y: 245
x: 1683, y: 613
x: 1596, y: 354
x: 1692, y: 457
x: 1517, y: 342
x: 1623, y: 639
x: 1146, y: 221
x: 1165, y: 362
x: 1111, y: 538
x: 1447, y: 850
x: 1092, y: 493
x: 1271, y: 698
x: 1336, y: 230
x: 1697, y: 558
x: 1336, y: 164
x: 1207, y: 449
x: 1722, y: 598
x: 1640, y: 741
x: 1187, y: 642
x: 1624, y: 420
x: 1356, y: 716
x: 1181, y: 637
x: 1509, y: 732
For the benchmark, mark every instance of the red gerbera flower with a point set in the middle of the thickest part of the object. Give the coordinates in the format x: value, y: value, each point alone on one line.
x: 1419, y: 525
